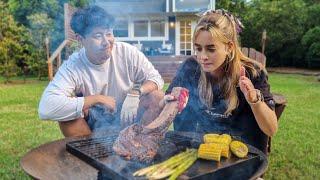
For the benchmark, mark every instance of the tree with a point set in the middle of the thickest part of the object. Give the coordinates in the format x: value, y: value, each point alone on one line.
x: 285, y: 24
x: 21, y: 9
x: 42, y: 19
x: 11, y: 44
x: 311, y: 42
x: 54, y: 9
x: 8, y: 49
x: 40, y: 25
x: 234, y: 6
x: 313, y: 19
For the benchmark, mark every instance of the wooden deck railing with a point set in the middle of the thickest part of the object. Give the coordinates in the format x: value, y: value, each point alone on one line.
x: 56, y: 56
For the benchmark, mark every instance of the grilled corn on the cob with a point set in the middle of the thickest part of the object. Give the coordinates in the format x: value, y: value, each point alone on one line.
x: 216, y: 138
x: 225, y: 151
x: 211, y: 138
x: 239, y: 149
x: 225, y: 138
x: 210, y: 151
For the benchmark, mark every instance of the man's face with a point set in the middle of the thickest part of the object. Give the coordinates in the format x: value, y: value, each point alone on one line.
x: 98, y: 44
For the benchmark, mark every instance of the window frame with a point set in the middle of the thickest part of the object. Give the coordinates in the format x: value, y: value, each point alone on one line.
x: 123, y: 19
x: 131, y: 36
x: 133, y: 29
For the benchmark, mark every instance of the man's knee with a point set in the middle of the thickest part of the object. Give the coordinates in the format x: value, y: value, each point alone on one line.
x: 77, y: 127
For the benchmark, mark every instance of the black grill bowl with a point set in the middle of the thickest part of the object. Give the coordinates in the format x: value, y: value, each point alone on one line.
x: 97, y: 151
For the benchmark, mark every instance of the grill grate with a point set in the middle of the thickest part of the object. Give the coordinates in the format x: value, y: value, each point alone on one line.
x: 101, y: 147
x: 94, y: 147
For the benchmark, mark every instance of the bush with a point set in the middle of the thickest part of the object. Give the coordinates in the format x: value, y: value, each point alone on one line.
x: 311, y: 42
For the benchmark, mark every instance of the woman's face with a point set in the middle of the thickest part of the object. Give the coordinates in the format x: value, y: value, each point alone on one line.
x: 211, y: 53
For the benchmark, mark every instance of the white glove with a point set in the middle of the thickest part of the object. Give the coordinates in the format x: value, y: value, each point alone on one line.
x: 129, y: 110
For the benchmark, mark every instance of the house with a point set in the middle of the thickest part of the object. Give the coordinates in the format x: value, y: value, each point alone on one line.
x: 161, y: 29
x: 156, y: 27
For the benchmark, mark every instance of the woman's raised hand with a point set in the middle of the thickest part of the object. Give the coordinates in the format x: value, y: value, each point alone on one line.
x: 247, y: 87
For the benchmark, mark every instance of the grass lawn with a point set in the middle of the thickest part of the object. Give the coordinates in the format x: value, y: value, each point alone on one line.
x: 295, y: 149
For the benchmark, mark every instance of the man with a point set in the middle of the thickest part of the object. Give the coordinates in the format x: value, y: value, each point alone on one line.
x: 91, y: 86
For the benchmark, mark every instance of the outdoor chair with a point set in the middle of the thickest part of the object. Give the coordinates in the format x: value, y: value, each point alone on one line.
x: 138, y: 46
x: 165, y: 49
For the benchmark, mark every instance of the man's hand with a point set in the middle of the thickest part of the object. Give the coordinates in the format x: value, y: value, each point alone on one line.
x: 107, y: 101
x: 129, y: 109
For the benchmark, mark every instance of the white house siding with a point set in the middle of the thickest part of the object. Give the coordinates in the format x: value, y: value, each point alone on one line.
x: 126, y: 7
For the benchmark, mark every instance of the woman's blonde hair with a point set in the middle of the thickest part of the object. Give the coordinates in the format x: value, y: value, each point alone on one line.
x: 223, y: 27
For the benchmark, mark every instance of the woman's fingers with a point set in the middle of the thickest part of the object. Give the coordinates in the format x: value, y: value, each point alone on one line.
x: 168, y: 98
x: 242, y: 78
x: 242, y: 71
x: 245, y: 84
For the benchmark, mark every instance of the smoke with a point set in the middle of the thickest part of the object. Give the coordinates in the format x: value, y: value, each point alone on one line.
x: 101, y: 119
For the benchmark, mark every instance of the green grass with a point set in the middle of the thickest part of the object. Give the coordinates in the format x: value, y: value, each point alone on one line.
x: 295, y: 148
x: 21, y: 130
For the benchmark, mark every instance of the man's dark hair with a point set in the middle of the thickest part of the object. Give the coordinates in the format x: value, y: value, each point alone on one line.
x: 85, y: 20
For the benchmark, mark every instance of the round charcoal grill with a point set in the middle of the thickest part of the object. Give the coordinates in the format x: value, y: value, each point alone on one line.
x: 97, y: 151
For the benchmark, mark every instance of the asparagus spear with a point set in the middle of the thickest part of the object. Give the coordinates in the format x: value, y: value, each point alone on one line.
x: 168, y: 170
x: 165, y: 167
x: 144, y: 171
x: 169, y: 164
x: 184, y: 166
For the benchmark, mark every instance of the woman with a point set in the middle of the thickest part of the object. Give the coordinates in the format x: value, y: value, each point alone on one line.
x: 229, y: 92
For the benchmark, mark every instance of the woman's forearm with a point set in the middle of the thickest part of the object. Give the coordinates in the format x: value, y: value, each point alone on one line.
x: 266, y: 118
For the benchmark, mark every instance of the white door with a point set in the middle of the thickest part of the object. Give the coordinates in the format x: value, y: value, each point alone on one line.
x: 185, y: 37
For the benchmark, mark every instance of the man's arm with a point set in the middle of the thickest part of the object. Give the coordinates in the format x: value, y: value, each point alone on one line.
x: 58, y: 101
x: 79, y: 127
x: 145, y: 73
x: 107, y: 101
x: 148, y: 86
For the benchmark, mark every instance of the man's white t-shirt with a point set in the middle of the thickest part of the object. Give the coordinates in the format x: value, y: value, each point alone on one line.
x: 126, y: 66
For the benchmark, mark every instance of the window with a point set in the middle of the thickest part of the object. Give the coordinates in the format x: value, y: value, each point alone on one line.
x: 121, y: 29
x: 141, y: 28
x: 157, y: 28
x: 145, y: 29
